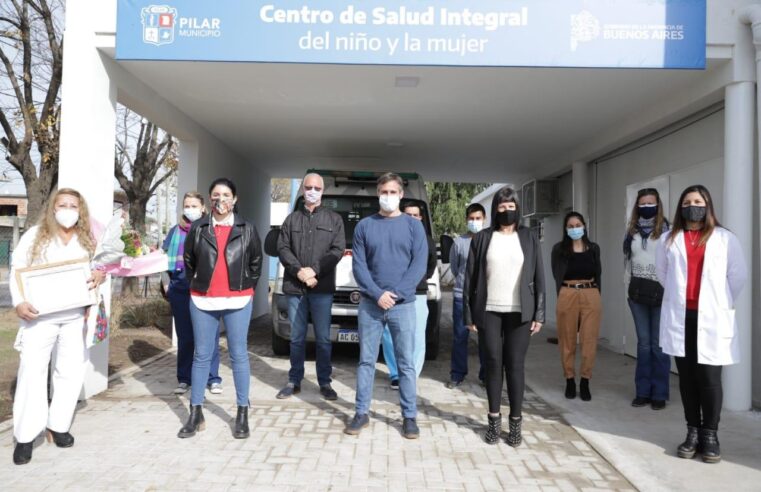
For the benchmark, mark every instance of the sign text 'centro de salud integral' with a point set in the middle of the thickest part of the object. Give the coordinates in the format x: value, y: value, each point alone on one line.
x: 527, y: 33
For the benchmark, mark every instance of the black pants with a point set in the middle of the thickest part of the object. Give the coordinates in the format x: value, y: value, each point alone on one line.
x: 505, y: 340
x: 699, y: 384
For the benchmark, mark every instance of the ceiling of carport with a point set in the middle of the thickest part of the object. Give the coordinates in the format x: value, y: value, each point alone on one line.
x: 458, y: 124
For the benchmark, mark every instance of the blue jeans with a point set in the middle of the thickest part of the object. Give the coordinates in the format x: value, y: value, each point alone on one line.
x: 401, y: 323
x: 653, y: 366
x: 299, y: 309
x: 179, y: 300
x: 205, y: 331
x: 421, y: 319
x: 459, y: 367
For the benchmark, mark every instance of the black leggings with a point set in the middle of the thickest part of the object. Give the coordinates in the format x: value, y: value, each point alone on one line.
x: 699, y: 384
x: 505, y: 341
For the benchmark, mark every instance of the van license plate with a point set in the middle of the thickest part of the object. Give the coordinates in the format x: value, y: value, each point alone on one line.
x: 348, y: 336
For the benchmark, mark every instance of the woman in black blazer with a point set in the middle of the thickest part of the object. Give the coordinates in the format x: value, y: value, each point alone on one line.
x: 503, y: 300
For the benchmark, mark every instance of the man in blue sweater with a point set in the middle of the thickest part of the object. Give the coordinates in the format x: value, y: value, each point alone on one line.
x: 389, y: 259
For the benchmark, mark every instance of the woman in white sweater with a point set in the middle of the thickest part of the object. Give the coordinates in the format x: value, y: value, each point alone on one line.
x: 63, y: 233
x: 645, y: 295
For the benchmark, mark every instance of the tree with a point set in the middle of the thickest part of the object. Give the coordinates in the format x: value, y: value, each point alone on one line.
x: 31, y: 53
x: 142, y: 150
x: 448, y: 202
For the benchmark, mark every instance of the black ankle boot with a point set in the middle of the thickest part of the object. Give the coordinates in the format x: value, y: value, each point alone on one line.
x: 195, y: 422
x: 584, y: 390
x: 61, y: 439
x: 689, y: 447
x: 241, y: 424
x: 494, y: 430
x: 22, y: 454
x: 709, y: 446
x: 514, y: 437
x: 570, y: 388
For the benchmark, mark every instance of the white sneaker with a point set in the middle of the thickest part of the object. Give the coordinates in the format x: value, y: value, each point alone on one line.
x: 215, y: 388
x: 181, y: 389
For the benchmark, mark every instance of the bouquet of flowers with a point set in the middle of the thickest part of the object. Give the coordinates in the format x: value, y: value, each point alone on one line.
x: 133, y: 243
x: 121, y: 252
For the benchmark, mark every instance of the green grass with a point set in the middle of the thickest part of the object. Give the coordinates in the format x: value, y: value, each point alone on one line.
x: 8, y: 360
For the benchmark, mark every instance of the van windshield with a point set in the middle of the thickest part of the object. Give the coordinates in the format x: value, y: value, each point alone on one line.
x: 352, y: 209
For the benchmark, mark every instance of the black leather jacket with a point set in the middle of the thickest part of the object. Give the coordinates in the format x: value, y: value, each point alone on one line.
x: 243, y: 254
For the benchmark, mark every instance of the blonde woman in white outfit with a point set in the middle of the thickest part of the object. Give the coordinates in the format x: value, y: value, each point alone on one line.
x: 63, y: 233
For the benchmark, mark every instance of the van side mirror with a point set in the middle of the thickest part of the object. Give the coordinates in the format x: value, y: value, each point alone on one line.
x: 270, y: 242
x: 446, y: 246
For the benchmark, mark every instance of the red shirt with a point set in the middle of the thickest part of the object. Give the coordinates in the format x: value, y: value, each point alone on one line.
x: 695, y: 256
x: 220, y: 281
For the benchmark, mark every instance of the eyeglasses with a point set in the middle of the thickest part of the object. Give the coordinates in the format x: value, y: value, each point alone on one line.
x: 310, y: 188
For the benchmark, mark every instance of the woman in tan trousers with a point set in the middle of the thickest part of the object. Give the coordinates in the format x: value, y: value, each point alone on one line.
x: 576, y: 268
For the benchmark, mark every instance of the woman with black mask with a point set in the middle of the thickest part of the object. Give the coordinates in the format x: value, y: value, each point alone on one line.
x: 645, y: 295
x: 503, y: 300
x: 577, y: 271
x: 700, y: 263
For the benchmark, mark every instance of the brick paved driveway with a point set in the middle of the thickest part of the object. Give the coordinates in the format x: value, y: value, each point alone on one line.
x: 126, y: 438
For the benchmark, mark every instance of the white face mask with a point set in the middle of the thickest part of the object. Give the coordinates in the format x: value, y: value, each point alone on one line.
x: 192, y: 214
x: 475, y: 226
x: 67, y: 217
x: 312, y: 196
x: 389, y: 203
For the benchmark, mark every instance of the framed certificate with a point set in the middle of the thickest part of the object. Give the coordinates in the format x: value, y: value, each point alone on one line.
x: 59, y: 286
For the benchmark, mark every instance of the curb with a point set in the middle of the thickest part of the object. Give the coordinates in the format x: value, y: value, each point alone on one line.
x: 134, y: 368
x: 8, y: 423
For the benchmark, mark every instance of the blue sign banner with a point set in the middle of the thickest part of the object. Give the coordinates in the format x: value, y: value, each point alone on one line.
x: 519, y: 33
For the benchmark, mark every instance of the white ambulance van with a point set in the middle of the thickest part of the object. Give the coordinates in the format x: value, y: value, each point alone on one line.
x: 353, y: 195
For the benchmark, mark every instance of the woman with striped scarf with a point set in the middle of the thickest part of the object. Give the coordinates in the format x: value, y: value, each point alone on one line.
x: 179, y: 296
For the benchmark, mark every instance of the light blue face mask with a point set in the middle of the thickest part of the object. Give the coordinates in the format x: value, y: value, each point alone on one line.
x: 475, y: 226
x: 575, y: 232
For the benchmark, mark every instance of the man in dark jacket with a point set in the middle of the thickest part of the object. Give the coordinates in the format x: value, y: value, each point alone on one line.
x: 310, y: 245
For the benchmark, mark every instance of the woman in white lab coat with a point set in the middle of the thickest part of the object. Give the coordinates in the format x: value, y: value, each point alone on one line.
x: 702, y: 269
x: 63, y: 233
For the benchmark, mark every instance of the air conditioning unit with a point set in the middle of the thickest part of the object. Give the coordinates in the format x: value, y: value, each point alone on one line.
x: 540, y: 198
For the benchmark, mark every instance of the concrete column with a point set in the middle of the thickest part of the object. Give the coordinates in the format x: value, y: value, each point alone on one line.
x: 742, y: 133
x: 88, y: 128
x: 581, y: 188
x: 739, y: 126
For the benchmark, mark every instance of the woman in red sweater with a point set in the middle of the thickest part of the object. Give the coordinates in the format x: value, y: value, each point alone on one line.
x: 223, y: 261
x: 702, y: 268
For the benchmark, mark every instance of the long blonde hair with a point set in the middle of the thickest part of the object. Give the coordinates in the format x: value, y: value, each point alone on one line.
x: 48, y: 227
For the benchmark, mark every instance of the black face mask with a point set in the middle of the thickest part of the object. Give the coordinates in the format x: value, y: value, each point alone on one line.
x: 508, y: 217
x: 693, y: 213
x: 647, y: 212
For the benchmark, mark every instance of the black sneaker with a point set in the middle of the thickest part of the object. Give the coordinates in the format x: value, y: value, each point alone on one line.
x: 410, y: 429
x: 453, y: 384
x: 658, y: 404
x: 356, y: 425
x: 394, y: 384
x: 640, y: 401
x: 328, y: 392
x: 288, y: 391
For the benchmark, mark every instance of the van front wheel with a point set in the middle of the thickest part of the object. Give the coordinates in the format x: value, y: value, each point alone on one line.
x: 432, y: 330
x: 280, y: 346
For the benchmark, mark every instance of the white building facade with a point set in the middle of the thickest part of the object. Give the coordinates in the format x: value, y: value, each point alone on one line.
x: 599, y: 132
